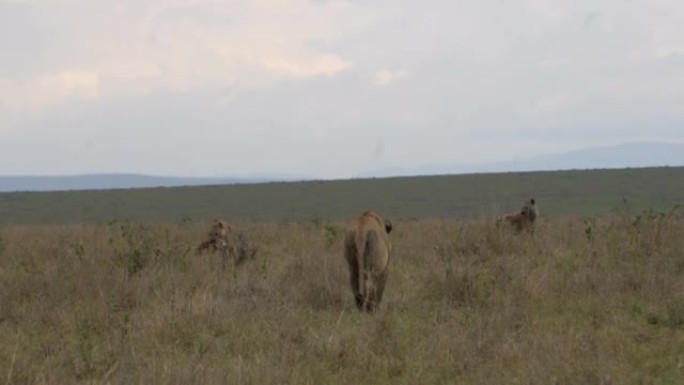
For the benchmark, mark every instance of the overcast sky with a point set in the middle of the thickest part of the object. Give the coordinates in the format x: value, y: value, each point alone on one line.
x: 329, y: 88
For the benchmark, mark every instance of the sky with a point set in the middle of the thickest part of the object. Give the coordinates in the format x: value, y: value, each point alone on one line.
x: 329, y: 89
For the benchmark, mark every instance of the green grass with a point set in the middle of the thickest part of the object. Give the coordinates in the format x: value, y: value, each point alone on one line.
x: 559, y: 193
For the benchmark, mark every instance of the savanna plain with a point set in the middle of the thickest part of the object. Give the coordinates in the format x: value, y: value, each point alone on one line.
x: 586, y: 299
x: 582, y: 301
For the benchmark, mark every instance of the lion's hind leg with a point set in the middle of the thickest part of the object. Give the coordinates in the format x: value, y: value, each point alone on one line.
x: 375, y: 271
x: 354, y: 272
x: 375, y: 287
x: 380, y: 286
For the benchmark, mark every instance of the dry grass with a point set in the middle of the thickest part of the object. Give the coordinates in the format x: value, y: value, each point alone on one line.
x: 583, y: 301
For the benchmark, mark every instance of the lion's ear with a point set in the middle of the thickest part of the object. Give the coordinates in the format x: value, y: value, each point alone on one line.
x: 388, y: 226
x: 219, y: 225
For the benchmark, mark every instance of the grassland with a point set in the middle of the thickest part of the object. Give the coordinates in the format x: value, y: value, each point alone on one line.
x: 560, y: 193
x: 105, y: 287
x: 598, y: 300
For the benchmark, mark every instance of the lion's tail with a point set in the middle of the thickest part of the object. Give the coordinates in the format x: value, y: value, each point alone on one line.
x: 369, y: 250
x: 360, y: 261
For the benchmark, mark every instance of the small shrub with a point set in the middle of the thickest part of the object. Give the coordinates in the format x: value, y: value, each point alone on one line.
x: 332, y: 233
x: 589, y: 225
x: 3, y: 245
x: 138, y: 249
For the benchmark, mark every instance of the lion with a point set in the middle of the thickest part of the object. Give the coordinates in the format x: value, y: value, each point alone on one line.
x: 523, y: 219
x: 222, y: 238
x: 367, y: 250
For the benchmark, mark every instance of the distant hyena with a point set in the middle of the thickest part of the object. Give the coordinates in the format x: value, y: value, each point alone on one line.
x: 523, y: 219
x: 222, y: 238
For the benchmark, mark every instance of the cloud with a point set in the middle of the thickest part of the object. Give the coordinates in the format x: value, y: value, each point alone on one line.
x: 550, y: 104
x: 31, y: 96
x: 327, y: 65
x: 307, y: 85
x: 387, y: 77
x: 109, y: 48
x: 34, y: 95
x: 678, y: 109
x: 73, y: 82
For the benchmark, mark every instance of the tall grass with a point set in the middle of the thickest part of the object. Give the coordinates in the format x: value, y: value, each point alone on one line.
x: 596, y: 300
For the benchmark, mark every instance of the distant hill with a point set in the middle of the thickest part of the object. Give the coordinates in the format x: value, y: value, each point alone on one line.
x: 629, y: 155
x: 108, y: 181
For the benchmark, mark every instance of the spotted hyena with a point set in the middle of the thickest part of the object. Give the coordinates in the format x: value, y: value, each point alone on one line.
x: 231, y: 244
x: 523, y: 219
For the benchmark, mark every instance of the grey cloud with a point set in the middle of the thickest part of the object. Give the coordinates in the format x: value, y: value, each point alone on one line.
x: 21, y: 42
x: 483, y: 79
